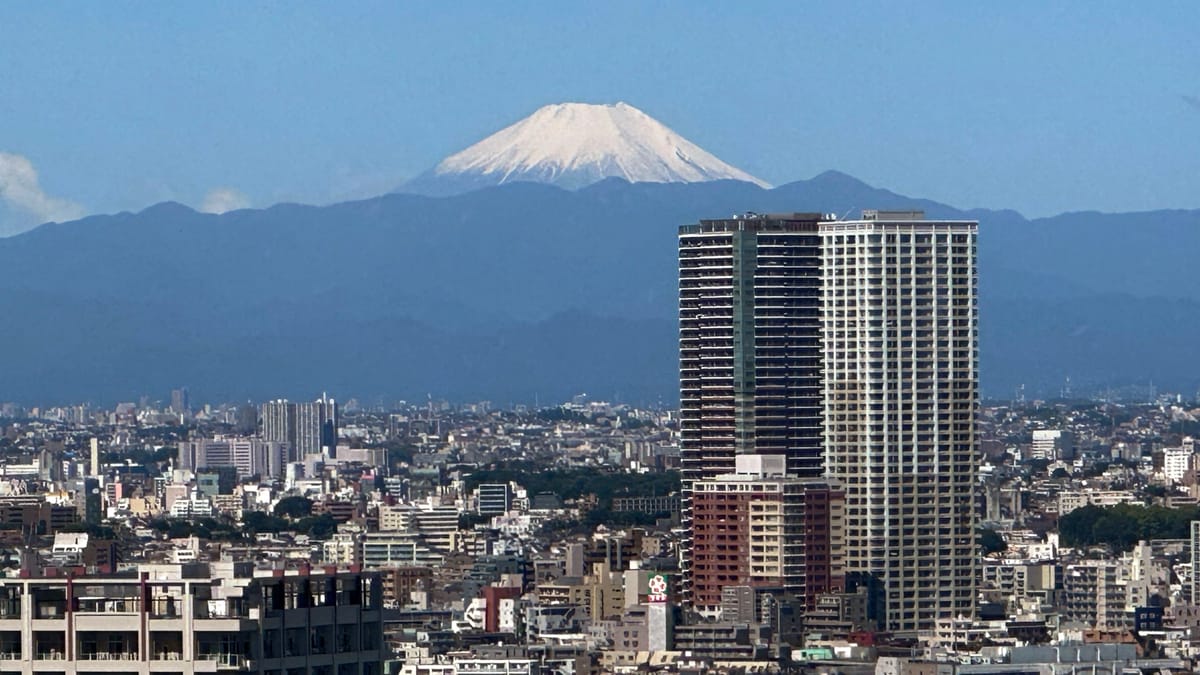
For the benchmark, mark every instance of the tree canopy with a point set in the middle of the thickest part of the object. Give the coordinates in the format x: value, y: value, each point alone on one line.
x: 1123, y: 525
x: 991, y: 541
x: 575, y: 482
x: 294, y: 507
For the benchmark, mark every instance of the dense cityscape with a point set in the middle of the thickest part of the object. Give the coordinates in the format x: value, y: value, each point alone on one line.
x: 543, y: 338
x: 773, y: 523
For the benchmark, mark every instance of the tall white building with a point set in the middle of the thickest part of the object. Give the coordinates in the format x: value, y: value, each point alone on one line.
x: 1176, y: 463
x: 277, y: 423
x: 901, y: 391
x: 317, y: 427
x: 307, y: 428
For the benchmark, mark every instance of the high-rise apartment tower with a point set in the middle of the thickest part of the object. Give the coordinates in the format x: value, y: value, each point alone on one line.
x: 901, y: 391
x: 850, y: 348
x: 307, y: 428
x: 749, y: 348
x: 317, y: 427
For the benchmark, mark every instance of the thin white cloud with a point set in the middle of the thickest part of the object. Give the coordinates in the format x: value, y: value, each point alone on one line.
x: 224, y: 199
x: 19, y: 188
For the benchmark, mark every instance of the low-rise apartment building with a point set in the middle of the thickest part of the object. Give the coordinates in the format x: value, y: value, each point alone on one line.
x: 193, y: 618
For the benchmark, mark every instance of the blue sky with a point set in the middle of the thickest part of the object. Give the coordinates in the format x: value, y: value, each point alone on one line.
x: 1042, y: 107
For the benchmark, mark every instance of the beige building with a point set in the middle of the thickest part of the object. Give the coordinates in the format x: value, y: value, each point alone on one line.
x: 900, y: 393
x: 193, y: 618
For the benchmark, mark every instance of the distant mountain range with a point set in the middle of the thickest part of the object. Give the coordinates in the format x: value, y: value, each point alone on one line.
x: 515, y: 289
x: 528, y: 291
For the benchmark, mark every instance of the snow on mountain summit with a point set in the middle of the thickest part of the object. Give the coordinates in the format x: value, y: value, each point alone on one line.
x: 572, y: 145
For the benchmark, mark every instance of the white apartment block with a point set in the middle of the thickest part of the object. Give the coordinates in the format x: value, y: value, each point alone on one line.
x: 901, y: 391
x: 1095, y: 594
x: 1177, y: 462
x: 1052, y: 444
x: 1069, y: 501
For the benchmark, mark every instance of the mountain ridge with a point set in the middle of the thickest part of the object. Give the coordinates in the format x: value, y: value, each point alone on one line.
x: 526, y: 290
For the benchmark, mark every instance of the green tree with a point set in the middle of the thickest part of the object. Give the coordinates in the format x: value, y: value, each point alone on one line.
x: 294, y: 507
x: 257, y: 521
x: 1123, y: 525
x: 991, y: 541
x: 317, y: 527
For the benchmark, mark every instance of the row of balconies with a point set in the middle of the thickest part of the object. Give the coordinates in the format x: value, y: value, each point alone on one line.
x: 224, y: 660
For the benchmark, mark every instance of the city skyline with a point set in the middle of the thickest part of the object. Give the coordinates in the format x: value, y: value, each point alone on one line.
x: 845, y: 429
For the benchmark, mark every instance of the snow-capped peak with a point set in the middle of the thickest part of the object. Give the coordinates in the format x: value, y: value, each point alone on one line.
x: 576, y: 144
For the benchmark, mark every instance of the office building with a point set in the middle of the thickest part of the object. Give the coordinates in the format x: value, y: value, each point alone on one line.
x: 389, y: 549
x: 193, y: 618
x: 306, y: 428
x: 250, y: 456
x: 759, y: 528
x: 493, y: 499
x: 901, y: 367
x: 749, y: 348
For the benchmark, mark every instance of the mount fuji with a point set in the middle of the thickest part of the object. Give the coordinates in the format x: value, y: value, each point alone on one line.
x: 573, y: 145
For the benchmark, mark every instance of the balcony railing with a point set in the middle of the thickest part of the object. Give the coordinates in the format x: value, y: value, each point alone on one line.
x: 108, y: 656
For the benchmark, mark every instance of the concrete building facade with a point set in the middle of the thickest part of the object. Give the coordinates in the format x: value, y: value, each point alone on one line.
x: 749, y: 346
x: 193, y: 618
x: 762, y: 529
x: 901, y: 392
